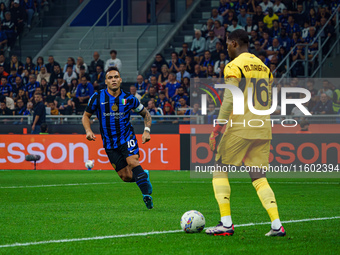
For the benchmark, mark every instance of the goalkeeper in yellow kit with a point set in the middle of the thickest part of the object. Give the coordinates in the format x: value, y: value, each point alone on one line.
x: 241, y: 142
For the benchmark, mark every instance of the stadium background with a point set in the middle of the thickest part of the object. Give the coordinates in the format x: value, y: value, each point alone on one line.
x: 70, y: 28
x: 95, y: 212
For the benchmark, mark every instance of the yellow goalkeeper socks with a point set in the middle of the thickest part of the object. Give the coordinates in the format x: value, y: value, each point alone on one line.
x: 222, y: 195
x: 268, y: 201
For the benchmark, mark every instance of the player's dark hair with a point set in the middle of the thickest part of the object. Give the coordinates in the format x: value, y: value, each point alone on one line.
x: 112, y: 68
x: 69, y: 66
x: 240, y: 36
x: 113, y: 51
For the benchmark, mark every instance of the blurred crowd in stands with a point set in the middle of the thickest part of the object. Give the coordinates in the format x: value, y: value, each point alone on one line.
x: 15, y: 16
x: 65, y: 89
x: 273, y: 27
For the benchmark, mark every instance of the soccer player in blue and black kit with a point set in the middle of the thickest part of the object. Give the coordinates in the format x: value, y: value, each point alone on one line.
x: 112, y: 106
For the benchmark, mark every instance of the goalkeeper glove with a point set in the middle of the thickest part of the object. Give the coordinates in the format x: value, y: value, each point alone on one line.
x: 215, y: 138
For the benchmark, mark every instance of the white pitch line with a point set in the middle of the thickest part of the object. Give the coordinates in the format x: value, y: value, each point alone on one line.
x: 150, y: 233
x: 165, y: 182
x: 57, y: 185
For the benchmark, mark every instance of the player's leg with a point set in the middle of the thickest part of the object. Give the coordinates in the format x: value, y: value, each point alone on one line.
x: 118, y: 162
x: 222, y: 194
x: 258, y: 155
x: 126, y: 174
x: 231, y: 151
x: 141, y: 179
x: 139, y: 175
x: 130, y: 151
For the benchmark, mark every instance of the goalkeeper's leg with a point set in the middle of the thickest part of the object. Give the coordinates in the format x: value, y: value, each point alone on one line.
x: 267, y: 197
x: 222, y: 194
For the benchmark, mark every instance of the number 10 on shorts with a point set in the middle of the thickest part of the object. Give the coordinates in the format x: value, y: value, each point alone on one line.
x: 131, y: 143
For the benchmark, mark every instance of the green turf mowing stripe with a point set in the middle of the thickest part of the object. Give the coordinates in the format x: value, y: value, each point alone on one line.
x: 152, y: 233
x: 165, y: 182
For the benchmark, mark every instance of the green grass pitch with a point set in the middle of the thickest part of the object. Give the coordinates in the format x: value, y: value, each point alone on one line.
x: 40, y: 206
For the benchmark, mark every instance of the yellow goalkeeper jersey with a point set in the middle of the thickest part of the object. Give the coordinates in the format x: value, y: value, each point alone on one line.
x: 248, y: 71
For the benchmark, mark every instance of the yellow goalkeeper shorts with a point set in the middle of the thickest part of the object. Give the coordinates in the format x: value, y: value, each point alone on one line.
x: 232, y: 150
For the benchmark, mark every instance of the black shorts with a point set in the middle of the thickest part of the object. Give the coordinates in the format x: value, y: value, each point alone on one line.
x: 118, y: 156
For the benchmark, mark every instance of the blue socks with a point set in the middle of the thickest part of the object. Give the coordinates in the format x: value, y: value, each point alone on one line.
x: 141, y: 179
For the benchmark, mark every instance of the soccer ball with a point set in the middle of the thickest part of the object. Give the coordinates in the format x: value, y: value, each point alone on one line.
x: 89, y: 164
x: 192, y: 222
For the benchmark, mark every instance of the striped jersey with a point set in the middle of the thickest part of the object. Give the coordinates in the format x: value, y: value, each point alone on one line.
x: 113, y: 114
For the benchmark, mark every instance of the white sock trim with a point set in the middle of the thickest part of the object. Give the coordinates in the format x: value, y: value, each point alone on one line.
x: 226, y: 220
x: 276, y: 224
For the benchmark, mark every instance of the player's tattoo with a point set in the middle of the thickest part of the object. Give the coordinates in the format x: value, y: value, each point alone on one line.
x: 147, y: 117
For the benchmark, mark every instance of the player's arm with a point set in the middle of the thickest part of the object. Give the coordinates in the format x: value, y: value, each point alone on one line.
x: 225, y: 111
x: 230, y: 73
x: 147, y: 122
x: 87, y: 126
x: 232, y: 76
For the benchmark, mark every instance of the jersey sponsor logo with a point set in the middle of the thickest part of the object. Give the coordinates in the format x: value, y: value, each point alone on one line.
x: 116, y: 115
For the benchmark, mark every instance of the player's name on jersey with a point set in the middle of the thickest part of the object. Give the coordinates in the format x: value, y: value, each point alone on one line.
x: 252, y: 67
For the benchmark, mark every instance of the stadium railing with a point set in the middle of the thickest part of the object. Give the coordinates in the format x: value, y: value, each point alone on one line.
x: 154, y: 30
x: 108, y: 22
x: 170, y: 33
x: 317, y: 54
x: 167, y: 119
